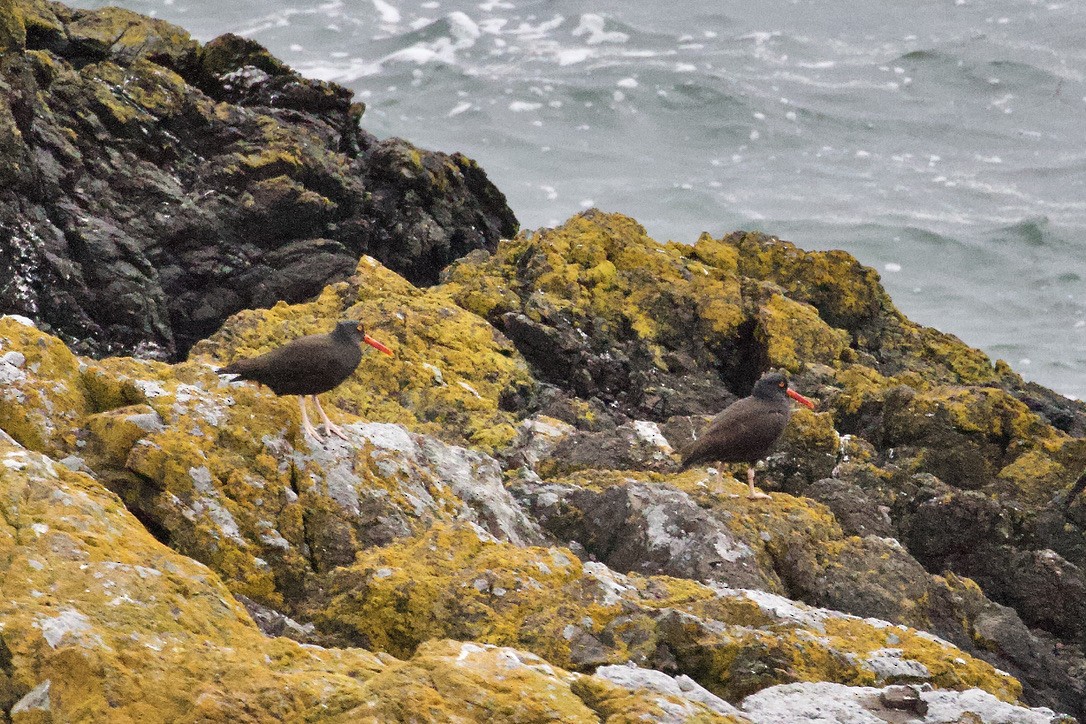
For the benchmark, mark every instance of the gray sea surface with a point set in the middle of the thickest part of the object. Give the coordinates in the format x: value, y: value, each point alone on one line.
x: 942, y: 142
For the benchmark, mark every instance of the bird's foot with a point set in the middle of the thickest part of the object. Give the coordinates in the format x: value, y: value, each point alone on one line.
x: 757, y: 495
x: 310, y: 431
x: 333, y: 429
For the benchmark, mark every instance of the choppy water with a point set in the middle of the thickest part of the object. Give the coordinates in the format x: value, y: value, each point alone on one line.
x: 941, y: 141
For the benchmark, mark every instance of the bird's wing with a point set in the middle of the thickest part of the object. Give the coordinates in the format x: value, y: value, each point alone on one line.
x: 299, y: 354
x: 740, y: 431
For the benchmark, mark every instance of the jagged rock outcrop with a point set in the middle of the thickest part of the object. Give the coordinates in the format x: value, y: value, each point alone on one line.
x: 393, y: 542
x: 150, y: 186
x: 969, y: 467
x: 504, y: 536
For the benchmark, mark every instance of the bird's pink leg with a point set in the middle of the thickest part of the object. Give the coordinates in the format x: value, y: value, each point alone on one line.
x: 753, y: 494
x: 307, y: 428
x: 330, y: 427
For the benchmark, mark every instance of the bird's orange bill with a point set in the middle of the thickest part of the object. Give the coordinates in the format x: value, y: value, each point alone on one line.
x: 374, y: 343
x: 800, y: 398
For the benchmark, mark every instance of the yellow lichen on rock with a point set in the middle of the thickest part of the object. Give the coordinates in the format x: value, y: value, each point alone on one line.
x: 446, y: 377
x: 113, y: 626
x: 795, y: 335
x: 124, y: 629
x: 453, y: 681
x: 605, y: 270
x: 41, y: 400
x: 451, y: 582
x: 12, y: 27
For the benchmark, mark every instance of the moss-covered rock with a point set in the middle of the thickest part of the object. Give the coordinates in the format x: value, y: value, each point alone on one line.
x: 122, y: 628
x: 102, y: 622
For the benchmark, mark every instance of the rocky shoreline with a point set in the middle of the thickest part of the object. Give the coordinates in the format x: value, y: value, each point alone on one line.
x: 505, y: 536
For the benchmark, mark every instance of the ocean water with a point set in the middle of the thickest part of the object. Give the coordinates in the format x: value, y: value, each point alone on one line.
x: 942, y: 142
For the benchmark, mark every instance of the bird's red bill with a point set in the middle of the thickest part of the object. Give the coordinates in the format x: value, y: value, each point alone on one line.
x: 374, y: 343
x: 800, y: 398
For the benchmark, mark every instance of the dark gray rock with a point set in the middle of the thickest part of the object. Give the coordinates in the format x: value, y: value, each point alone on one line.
x: 150, y: 187
x: 855, y: 511
x: 644, y: 528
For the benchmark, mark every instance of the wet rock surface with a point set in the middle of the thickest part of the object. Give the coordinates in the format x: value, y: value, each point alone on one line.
x: 150, y: 186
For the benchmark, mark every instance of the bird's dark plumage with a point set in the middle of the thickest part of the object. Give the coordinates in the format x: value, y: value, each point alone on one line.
x: 308, y: 366
x: 745, y: 431
x: 305, y: 366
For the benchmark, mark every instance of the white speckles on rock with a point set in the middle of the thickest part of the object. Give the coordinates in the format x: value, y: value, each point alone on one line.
x: 476, y: 479
x: 208, y: 503
x: 13, y: 358
x: 783, y: 608
x: 634, y: 678
x: 11, y: 373
x: 469, y: 388
x: 828, y: 703
x: 37, y: 699
x: 388, y: 437
x: 68, y: 624
x: 150, y: 388
x: 191, y: 399
x: 147, y: 421
x: 438, y: 377
x: 650, y: 433
x: 25, y: 321
x: 889, y: 664
x: 269, y: 536
x: 613, y: 586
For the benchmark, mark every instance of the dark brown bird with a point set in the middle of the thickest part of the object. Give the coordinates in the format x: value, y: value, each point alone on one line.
x: 744, y: 432
x: 309, y: 366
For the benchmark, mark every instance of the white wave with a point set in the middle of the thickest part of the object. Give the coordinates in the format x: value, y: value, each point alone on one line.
x: 527, y: 31
x: 388, y: 13
x: 464, y: 33
x: 592, y: 25
x: 571, y: 56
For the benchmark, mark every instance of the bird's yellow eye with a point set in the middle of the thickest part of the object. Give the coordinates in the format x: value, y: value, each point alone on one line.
x: 782, y: 385
x: 359, y: 328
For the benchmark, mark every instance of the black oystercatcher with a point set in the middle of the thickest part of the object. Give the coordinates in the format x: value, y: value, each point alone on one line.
x: 309, y: 366
x: 744, y: 432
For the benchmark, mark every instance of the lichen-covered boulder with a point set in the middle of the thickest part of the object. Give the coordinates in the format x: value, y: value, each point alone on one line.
x: 222, y: 472
x: 452, y: 582
x: 833, y: 703
x: 101, y: 622
x: 450, y: 374
x: 704, y: 528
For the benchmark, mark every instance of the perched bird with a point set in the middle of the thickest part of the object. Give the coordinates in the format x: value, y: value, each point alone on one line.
x: 309, y: 366
x: 744, y: 432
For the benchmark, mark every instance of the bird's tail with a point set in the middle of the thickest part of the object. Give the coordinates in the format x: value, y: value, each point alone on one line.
x: 689, y: 455
x: 238, y: 368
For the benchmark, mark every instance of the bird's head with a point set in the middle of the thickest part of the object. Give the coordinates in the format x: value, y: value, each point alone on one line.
x: 354, y: 331
x: 774, y: 385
